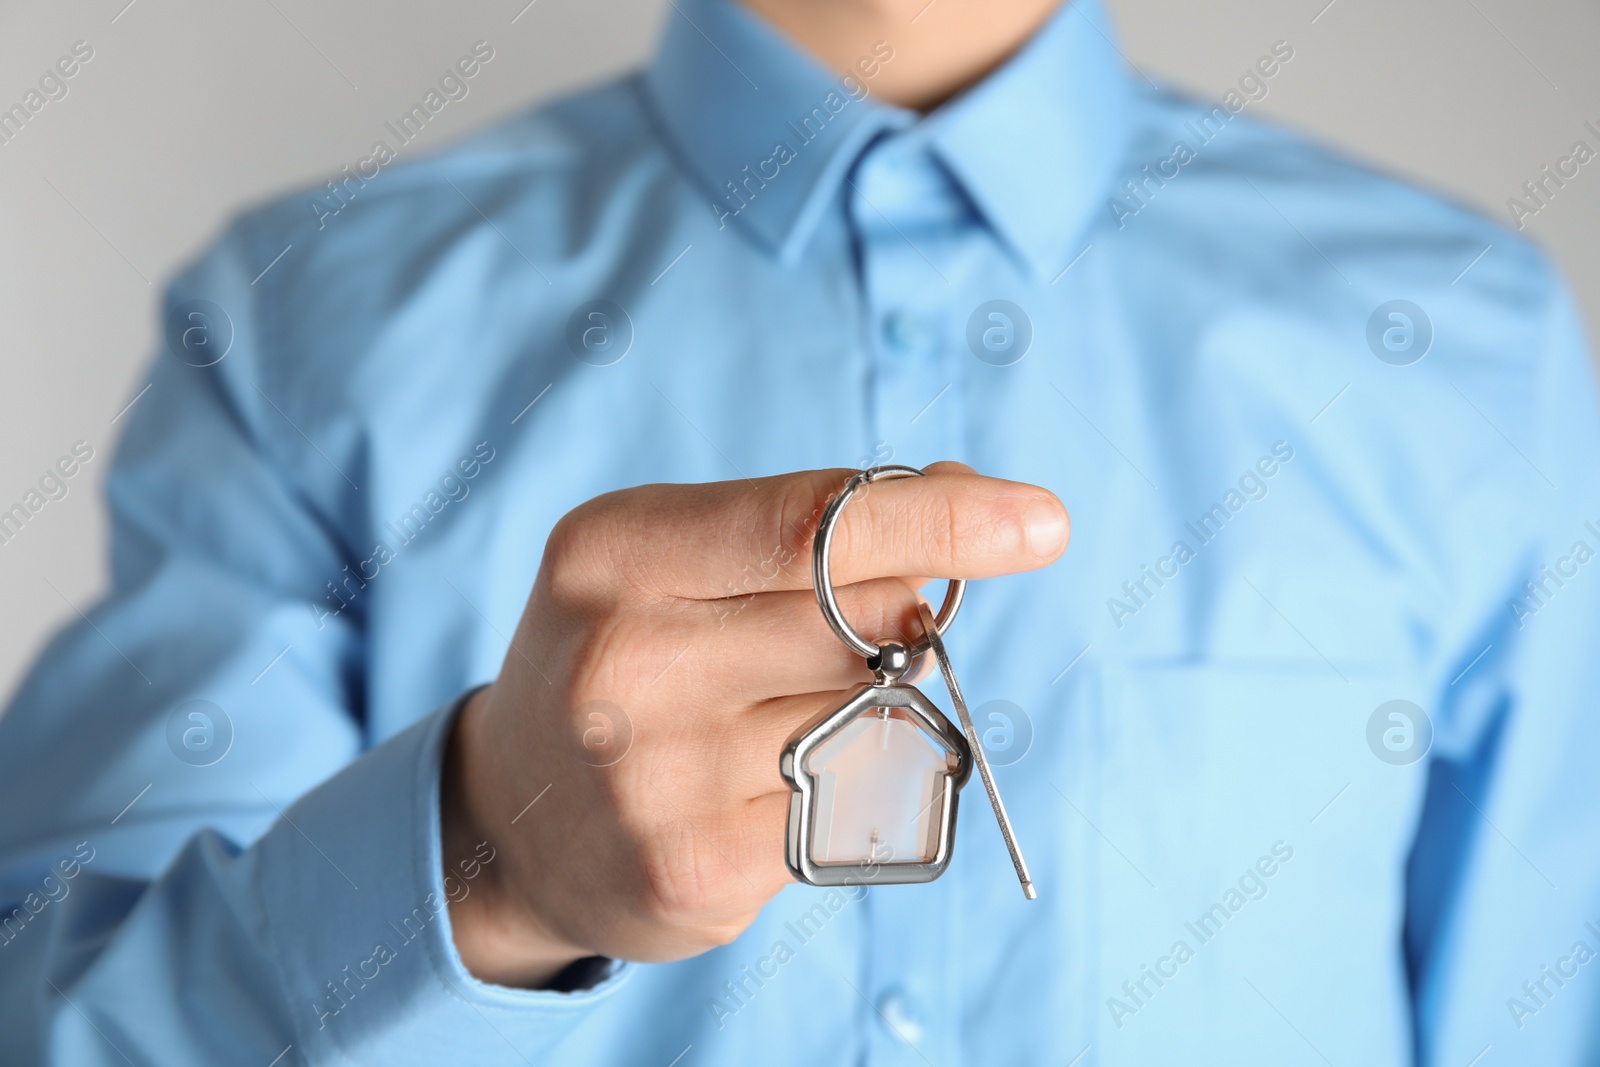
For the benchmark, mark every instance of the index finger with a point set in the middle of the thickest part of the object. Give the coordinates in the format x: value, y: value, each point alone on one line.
x: 729, y: 539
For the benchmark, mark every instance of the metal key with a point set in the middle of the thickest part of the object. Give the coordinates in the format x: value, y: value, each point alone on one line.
x: 975, y: 743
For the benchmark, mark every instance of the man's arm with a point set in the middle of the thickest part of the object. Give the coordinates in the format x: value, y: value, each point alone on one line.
x: 180, y: 889
x: 1504, y: 881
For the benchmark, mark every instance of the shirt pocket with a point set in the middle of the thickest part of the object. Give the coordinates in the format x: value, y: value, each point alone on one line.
x: 1250, y: 886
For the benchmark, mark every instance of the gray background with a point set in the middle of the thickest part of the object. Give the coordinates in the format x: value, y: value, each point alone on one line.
x: 190, y: 110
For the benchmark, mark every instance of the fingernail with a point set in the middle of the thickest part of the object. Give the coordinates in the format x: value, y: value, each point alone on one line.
x: 1045, y: 526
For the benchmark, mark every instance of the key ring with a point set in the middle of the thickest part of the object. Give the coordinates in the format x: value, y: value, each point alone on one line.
x: 822, y: 580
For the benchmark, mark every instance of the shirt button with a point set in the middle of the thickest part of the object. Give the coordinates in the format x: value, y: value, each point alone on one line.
x: 905, y: 331
x: 898, y: 1014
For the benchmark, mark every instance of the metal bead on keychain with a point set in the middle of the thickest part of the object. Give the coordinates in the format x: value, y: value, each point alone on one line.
x: 876, y: 780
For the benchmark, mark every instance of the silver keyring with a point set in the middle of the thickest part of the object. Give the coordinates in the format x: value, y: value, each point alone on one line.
x: 822, y: 580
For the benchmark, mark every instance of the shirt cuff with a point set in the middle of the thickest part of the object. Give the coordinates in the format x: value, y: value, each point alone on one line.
x: 355, y: 914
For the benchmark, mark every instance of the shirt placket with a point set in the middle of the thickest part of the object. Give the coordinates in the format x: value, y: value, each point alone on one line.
x: 908, y: 229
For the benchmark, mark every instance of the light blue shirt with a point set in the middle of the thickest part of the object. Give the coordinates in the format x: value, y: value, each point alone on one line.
x: 1294, y: 503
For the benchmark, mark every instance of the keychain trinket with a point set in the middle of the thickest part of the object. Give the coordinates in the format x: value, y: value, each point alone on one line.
x: 876, y: 780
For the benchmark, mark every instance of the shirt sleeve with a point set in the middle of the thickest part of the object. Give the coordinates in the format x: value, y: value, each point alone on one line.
x: 204, y: 856
x: 1503, y: 930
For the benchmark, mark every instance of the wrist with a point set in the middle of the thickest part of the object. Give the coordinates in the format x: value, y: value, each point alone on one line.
x: 500, y: 939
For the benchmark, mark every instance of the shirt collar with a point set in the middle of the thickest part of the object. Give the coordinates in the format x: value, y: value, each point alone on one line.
x: 1034, y: 144
x: 1037, y: 142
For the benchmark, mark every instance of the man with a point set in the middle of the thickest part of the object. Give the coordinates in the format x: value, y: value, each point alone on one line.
x: 1296, y: 736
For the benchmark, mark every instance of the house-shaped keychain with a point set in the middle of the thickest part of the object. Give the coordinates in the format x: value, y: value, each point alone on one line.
x: 876, y: 783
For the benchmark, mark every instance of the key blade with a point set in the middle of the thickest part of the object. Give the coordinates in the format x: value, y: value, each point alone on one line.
x: 936, y: 643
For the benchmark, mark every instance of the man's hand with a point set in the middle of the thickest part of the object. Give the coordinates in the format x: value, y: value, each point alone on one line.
x: 671, y: 645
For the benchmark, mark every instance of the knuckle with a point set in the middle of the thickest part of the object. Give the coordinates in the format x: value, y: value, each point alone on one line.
x: 592, y: 552
x: 685, y: 877
x: 572, y: 568
x: 786, y: 527
x: 609, y: 659
x: 671, y: 886
x: 592, y: 665
x: 619, y: 790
